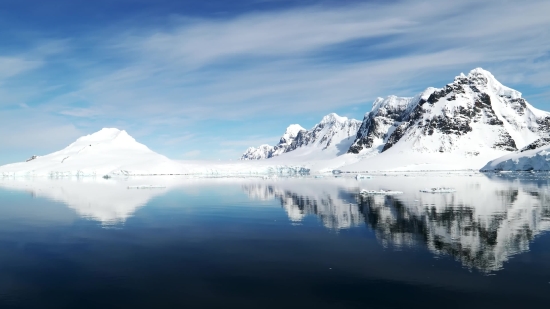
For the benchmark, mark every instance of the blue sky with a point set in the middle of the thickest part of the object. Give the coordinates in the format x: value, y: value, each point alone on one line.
x: 207, y: 79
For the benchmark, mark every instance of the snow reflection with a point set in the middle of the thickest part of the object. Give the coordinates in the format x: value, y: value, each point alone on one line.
x: 109, y: 201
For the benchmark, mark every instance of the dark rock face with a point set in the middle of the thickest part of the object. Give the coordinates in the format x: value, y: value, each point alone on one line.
x: 518, y: 105
x: 543, y: 141
x: 396, y: 136
x: 544, y: 125
x: 447, y: 125
x: 302, y: 139
x: 506, y: 142
x: 386, y: 114
x: 369, y: 131
x: 31, y: 158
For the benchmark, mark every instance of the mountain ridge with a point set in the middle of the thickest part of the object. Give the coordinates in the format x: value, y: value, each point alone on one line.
x: 473, y: 119
x: 330, y: 132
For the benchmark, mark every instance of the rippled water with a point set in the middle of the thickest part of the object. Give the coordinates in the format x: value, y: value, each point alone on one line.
x: 255, y: 243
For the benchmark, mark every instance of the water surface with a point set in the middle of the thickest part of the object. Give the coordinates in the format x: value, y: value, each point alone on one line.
x: 249, y: 243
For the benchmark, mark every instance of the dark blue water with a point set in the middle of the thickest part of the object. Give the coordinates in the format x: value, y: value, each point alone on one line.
x: 248, y: 243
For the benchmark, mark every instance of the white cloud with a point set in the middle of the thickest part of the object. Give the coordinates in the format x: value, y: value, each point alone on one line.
x: 11, y: 66
x: 80, y: 112
x: 267, y: 34
x: 264, y: 62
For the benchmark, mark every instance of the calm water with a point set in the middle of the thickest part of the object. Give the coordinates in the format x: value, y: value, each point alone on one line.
x: 254, y: 243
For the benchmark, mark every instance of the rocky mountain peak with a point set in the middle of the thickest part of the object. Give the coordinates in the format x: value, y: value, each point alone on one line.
x: 331, y: 128
x: 333, y: 118
x: 386, y: 114
x: 481, y: 77
x: 473, y: 109
x: 290, y: 134
x: 293, y: 129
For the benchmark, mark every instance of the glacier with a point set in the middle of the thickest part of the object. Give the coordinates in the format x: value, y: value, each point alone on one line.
x: 533, y: 157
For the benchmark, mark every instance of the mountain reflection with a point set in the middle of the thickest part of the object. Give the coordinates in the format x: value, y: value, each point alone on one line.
x: 486, y: 222
x: 108, y: 201
x: 336, y: 208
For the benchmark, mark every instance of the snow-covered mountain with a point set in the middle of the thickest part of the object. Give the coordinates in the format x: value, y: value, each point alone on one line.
x: 381, y: 121
x: 465, y: 124
x: 332, y: 132
x: 329, y: 138
x: 108, y: 151
x: 266, y: 151
x: 474, y: 110
x: 113, y: 152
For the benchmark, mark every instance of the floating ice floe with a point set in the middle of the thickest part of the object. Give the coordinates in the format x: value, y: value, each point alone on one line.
x: 438, y: 190
x: 146, y: 187
x: 379, y: 192
x: 359, y: 177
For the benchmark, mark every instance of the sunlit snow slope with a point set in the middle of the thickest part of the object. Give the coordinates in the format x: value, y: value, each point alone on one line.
x: 113, y: 152
x: 108, y: 151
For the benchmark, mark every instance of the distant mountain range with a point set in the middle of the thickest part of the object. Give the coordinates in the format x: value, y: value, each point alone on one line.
x: 334, y: 134
x: 463, y: 125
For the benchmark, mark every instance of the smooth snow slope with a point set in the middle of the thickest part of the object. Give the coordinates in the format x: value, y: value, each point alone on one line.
x: 113, y: 152
x: 108, y: 151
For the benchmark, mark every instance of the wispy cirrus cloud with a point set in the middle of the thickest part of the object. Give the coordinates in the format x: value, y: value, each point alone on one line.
x: 277, y: 61
x: 12, y: 66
